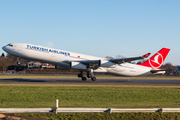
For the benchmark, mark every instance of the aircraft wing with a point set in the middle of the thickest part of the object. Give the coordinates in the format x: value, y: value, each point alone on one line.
x: 91, y: 63
x: 121, y: 60
x: 94, y: 64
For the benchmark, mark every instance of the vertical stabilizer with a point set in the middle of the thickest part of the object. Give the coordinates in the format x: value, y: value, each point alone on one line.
x: 157, y: 59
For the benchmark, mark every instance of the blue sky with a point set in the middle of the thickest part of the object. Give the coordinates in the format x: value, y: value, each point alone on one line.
x: 95, y: 27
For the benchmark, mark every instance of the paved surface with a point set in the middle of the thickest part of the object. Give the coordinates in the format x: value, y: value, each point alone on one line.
x: 89, y: 82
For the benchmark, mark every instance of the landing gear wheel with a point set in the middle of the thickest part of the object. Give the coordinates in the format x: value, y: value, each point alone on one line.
x: 84, y: 78
x: 89, y: 76
x: 80, y: 75
x: 93, y: 78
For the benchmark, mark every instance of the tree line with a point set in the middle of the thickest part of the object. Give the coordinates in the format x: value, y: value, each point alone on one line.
x: 8, y: 60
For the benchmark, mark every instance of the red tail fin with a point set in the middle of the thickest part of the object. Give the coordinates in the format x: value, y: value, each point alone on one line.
x: 156, y: 60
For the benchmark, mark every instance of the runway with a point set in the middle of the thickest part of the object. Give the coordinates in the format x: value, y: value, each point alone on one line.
x: 89, y: 82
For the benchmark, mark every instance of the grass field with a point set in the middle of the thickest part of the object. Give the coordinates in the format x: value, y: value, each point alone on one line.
x: 105, y: 96
x: 109, y: 96
x: 107, y: 116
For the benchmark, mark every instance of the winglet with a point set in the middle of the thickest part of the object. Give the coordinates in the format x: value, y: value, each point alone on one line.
x: 157, y: 59
x: 146, y: 55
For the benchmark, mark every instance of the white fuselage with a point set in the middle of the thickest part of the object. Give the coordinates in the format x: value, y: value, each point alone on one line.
x: 57, y: 57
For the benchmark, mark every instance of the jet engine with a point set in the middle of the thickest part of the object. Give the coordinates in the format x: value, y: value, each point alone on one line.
x: 77, y: 65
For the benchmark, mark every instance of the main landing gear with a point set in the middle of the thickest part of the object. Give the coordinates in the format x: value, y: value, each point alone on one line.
x: 82, y: 77
x: 89, y: 75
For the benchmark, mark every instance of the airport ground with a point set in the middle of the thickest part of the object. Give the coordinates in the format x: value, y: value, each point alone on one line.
x: 23, y: 91
x: 74, y: 80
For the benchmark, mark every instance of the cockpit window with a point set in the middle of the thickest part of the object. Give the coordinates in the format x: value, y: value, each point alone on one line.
x: 10, y: 45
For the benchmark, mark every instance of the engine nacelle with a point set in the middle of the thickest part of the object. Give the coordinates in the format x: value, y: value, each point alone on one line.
x: 77, y: 65
x: 105, y: 63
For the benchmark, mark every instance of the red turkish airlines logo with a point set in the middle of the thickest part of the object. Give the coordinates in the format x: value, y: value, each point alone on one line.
x: 156, y: 61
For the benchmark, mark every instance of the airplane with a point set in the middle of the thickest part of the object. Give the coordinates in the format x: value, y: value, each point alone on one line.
x: 89, y: 64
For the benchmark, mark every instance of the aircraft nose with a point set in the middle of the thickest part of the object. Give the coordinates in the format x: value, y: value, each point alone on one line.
x: 4, y: 48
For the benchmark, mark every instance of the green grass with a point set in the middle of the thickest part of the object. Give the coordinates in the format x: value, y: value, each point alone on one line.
x: 107, y: 116
x: 112, y: 96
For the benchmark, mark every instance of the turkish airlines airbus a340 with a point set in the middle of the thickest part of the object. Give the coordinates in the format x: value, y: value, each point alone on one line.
x: 90, y: 64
